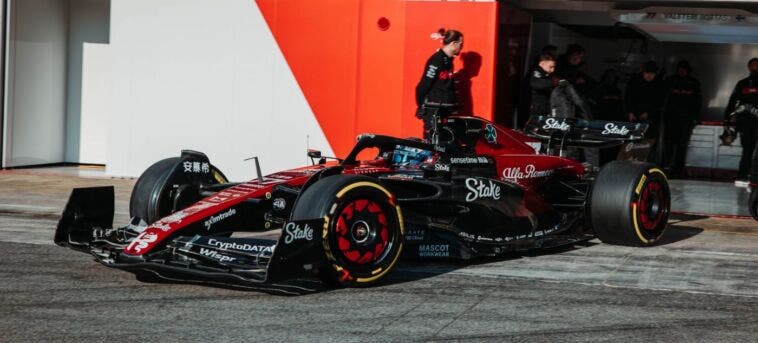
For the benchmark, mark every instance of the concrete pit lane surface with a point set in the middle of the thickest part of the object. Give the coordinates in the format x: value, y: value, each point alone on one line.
x: 699, y: 284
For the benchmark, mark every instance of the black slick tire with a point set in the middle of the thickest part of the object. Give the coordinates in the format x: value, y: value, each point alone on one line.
x: 152, y: 197
x: 363, y: 232
x: 630, y: 204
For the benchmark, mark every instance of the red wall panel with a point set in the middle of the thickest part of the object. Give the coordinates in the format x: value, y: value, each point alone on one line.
x: 358, y: 62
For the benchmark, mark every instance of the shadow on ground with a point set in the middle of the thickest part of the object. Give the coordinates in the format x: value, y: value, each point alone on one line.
x: 678, y: 233
x: 413, y: 269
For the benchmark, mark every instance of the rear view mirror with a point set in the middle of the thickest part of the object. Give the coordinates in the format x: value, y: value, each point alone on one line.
x: 314, y: 153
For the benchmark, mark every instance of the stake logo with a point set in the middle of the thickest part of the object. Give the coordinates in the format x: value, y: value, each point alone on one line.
x: 613, y: 129
x: 481, y: 189
x: 294, y: 232
x: 441, y: 167
x: 554, y: 124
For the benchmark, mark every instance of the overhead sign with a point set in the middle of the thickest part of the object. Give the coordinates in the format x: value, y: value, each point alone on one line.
x: 671, y: 15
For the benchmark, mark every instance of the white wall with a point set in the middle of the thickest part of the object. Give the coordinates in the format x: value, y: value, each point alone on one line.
x: 204, y: 75
x: 36, y: 83
x: 86, y: 119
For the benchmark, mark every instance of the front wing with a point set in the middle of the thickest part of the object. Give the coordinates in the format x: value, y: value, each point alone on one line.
x: 285, y: 264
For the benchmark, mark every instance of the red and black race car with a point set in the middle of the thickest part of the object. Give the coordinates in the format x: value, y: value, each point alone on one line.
x: 480, y: 190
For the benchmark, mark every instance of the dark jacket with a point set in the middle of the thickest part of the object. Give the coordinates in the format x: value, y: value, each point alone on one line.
x: 564, y: 100
x: 643, y: 96
x: 609, y: 103
x: 567, y: 71
x: 541, y: 84
x: 436, y: 84
x: 745, y: 92
x: 684, y: 99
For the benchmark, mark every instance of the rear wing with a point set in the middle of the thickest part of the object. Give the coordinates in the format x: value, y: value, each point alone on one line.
x: 583, y: 133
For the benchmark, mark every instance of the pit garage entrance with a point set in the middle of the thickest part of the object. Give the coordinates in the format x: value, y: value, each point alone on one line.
x: 717, y: 38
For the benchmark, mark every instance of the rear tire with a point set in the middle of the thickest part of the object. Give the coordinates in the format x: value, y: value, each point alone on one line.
x: 363, y: 231
x: 630, y: 204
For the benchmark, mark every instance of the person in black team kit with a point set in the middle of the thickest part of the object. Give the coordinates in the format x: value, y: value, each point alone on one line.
x: 609, y: 100
x: 609, y: 105
x: 570, y: 67
x: 542, y: 82
x: 746, y: 93
x: 681, y: 113
x: 435, y: 92
x: 525, y: 88
x: 645, y: 94
x: 644, y: 98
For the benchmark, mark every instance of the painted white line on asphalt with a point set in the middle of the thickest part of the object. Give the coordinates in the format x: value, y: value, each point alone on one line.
x: 34, y: 207
x: 690, y: 291
x: 565, y: 281
x: 15, y: 220
x: 46, y: 240
x: 717, y: 253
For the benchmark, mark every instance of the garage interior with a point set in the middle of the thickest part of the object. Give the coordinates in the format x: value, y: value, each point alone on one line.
x: 716, y: 37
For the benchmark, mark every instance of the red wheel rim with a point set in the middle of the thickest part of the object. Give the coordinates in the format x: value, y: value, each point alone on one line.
x: 652, y: 205
x: 362, y: 235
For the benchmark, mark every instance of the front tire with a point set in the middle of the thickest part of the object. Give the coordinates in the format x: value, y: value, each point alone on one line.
x: 363, y: 232
x: 166, y: 186
x: 630, y: 204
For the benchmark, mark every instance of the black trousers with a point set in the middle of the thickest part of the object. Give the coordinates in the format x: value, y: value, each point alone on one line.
x: 675, y: 141
x: 748, y: 161
x: 428, y: 116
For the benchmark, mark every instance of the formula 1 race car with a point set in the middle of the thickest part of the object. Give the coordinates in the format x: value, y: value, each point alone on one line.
x: 479, y: 190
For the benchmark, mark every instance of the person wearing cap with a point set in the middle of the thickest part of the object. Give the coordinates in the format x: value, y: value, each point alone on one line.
x: 645, y: 94
x: 746, y: 93
x: 435, y: 92
x: 680, y: 115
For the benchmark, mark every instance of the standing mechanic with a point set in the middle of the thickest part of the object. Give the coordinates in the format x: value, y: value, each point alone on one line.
x: 681, y: 114
x: 644, y: 98
x: 542, y: 82
x: 746, y: 92
x: 435, y: 92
